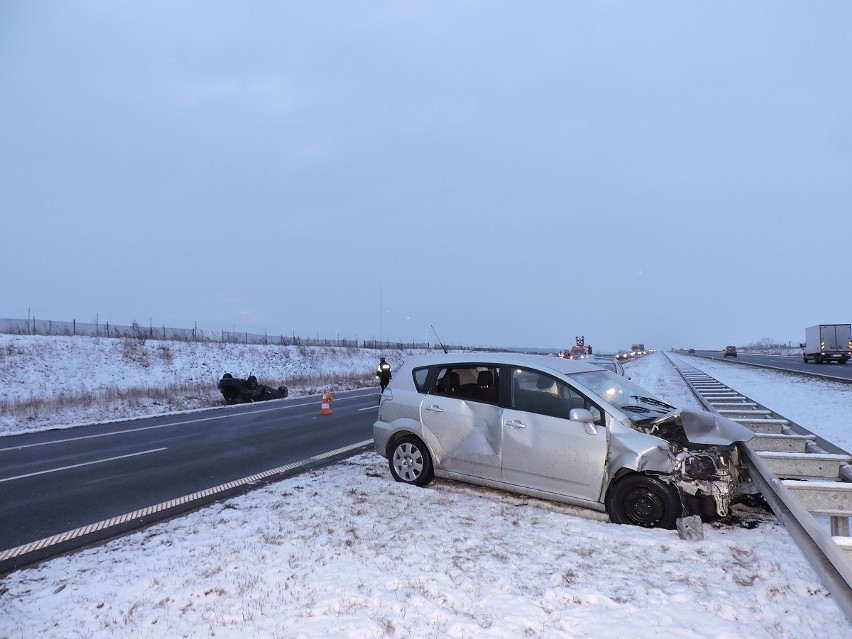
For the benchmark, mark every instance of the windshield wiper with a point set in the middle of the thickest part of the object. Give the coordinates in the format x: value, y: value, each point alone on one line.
x: 633, y: 408
x: 645, y: 419
x: 653, y: 401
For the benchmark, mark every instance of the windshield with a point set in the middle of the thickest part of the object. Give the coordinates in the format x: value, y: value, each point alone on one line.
x: 640, y: 404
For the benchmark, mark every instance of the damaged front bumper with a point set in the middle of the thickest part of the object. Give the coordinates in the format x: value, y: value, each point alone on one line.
x: 706, y: 457
x: 714, y: 473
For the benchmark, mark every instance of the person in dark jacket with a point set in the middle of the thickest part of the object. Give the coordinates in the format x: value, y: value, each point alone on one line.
x: 383, y: 372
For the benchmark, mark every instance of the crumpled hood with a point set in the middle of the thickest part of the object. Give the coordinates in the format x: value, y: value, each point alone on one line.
x: 702, y: 427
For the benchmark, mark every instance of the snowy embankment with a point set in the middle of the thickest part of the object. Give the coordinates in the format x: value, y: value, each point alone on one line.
x: 57, y: 381
x: 345, y: 551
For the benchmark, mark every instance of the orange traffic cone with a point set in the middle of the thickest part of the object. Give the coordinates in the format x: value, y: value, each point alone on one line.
x: 325, y: 409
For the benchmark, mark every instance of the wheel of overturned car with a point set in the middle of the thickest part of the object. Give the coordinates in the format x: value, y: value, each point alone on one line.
x: 410, y: 462
x: 641, y: 500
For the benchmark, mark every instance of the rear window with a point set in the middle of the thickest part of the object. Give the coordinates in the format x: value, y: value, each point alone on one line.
x: 605, y: 363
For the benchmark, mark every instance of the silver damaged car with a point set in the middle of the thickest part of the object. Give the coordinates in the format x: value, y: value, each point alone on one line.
x: 558, y: 429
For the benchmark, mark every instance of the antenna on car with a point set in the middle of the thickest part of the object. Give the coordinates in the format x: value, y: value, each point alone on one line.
x: 439, y: 339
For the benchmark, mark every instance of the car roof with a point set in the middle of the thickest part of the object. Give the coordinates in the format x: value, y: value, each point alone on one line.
x: 542, y: 362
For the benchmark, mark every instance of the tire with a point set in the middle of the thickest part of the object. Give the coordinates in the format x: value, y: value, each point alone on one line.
x: 641, y: 500
x: 410, y: 462
x: 805, y: 358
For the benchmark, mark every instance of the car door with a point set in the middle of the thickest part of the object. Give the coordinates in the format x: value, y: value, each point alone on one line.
x: 542, y: 448
x: 463, y: 419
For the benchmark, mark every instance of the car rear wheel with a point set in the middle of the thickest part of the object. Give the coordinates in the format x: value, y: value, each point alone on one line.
x: 640, y: 500
x: 410, y: 462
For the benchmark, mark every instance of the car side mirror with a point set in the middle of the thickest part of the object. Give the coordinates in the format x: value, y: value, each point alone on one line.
x: 581, y: 415
x: 585, y: 417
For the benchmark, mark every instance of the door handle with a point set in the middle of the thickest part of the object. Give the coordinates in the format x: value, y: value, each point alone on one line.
x: 516, y: 423
x: 434, y: 408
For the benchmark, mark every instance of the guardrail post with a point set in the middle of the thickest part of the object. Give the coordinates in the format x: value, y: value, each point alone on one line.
x: 839, y: 526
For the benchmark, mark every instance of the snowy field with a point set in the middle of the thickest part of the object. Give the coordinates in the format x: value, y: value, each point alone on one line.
x: 88, y: 379
x: 345, y: 551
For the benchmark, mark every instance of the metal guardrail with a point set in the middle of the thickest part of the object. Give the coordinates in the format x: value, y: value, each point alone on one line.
x: 800, y: 475
x: 815, y: 372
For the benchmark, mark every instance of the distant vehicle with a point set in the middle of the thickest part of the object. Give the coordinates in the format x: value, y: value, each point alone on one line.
x: 623, y: 355
x: 610, y: 363
x: 828, y: 343
x: 579, y: 352
x: 236, y: 390
x: 637, y: 350
x: 730, y: 351
x: 691, y: 350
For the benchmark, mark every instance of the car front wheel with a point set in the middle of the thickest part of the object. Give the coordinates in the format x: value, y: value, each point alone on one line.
x: 410, y: 462
x: 640, y: 500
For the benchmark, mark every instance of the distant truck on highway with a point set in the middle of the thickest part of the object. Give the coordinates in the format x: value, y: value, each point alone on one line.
x: 828, y: 343
x: 637, y: 349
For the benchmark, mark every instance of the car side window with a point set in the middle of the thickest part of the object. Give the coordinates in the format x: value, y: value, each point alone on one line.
x: 471, y: 382
x: 420, y: 376
x: 536, y: 392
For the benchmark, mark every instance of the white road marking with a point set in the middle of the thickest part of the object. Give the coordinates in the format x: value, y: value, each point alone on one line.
x: 169, y: 424
x: 97, y: 461
x: 109, y: 523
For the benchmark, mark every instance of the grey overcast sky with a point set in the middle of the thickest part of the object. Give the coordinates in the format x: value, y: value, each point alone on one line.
x: 513, y: 173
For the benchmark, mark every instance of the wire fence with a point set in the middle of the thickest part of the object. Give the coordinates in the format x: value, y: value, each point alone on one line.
x: 33, y: 326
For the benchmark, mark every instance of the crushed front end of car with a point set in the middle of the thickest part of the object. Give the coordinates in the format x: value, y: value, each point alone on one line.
x: 706, y: 457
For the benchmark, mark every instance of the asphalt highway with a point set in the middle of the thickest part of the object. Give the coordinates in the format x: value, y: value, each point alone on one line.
x: 61, y: 480
x: 841, y: 372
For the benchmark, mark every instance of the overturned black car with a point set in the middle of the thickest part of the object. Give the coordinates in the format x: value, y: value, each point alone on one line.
x: 236, y: 390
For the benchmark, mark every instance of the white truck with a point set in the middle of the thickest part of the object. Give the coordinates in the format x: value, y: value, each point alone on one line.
x: 828, y: 343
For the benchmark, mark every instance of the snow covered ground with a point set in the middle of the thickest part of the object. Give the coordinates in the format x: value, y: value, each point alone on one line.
x: 87, y: 379
x: 345, y: 551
